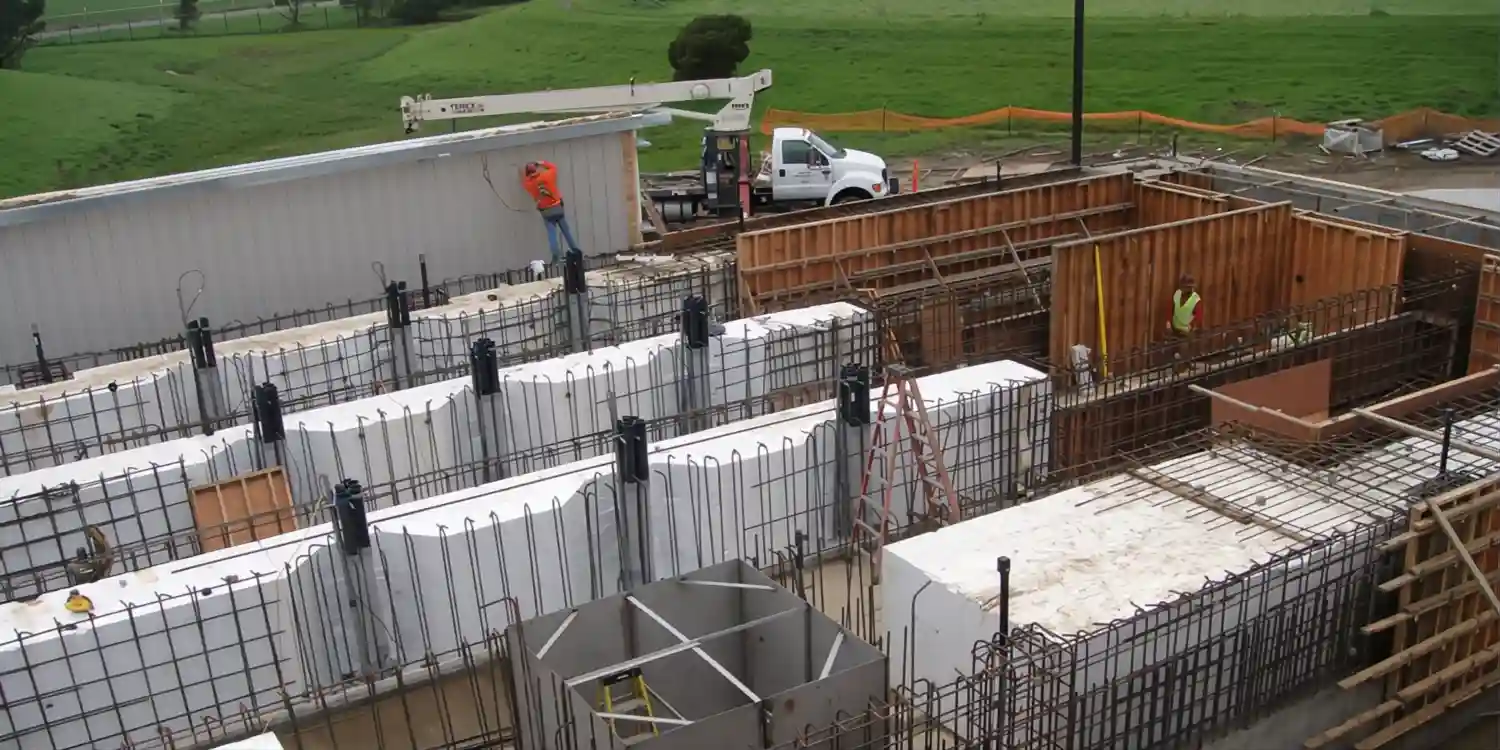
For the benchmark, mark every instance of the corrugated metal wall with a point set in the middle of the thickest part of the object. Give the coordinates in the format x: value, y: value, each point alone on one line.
x: 105, y: 273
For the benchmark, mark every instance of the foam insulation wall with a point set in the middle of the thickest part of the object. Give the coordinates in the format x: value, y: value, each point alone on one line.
x: 422, y: 441
x: 1105, y: 564
x: 127, y: 404
x: 535, y: 543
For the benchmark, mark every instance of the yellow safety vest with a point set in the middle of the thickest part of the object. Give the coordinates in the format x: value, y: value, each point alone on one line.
x: 1182, y: 311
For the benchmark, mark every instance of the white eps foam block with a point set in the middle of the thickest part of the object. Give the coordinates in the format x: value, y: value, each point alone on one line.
x: 1092, y: 565
x: 123, y: 405
x: 452, y: 569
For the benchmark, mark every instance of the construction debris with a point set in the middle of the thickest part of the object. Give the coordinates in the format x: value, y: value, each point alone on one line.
x: 1478, y: 143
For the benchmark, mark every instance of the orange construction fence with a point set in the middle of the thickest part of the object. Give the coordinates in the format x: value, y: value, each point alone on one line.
x: 1416, y: 123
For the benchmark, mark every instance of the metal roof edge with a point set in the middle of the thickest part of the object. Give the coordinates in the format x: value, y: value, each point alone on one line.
x: 322, y: 163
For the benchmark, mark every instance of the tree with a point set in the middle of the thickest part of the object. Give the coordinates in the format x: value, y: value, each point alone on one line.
x: 20, y: 22
x: 709, y: 47
x: 418, y: 11
x: 293, y: 14
x: 187, y: 14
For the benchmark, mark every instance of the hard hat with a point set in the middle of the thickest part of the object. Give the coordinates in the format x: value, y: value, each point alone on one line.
x: 532, y: 167
x: 78, y: 603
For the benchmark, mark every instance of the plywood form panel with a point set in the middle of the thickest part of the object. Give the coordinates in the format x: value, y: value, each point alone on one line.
x: 243, y: 509
x: 1333, y: 258
x: 1299, y: 392
x: 942, y: 341
x: 630, y: 187
x: 1428, y: 246
x: 1163, y: 203
x: 1196, y: 180
x: 1484, y: 349
x: 1238, y: 259
x: 855, y: 251
x: 721, y: 235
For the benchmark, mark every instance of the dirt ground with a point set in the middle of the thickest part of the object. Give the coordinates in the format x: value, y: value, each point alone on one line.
x: 1395, y: 170
x: 1482, y: 736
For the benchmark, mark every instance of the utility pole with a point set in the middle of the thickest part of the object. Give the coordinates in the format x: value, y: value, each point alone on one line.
x: 1078, y: 82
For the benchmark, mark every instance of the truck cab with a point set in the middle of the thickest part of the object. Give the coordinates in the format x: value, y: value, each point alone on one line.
x: 803, y: 168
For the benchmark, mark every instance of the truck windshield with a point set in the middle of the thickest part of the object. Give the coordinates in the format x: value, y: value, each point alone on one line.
x: 826, y: 147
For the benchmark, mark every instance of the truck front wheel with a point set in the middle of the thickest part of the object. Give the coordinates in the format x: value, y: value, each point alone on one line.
x: 851, y: 195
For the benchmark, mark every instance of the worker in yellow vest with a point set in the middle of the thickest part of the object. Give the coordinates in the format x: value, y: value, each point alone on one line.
x: 1187, y: 315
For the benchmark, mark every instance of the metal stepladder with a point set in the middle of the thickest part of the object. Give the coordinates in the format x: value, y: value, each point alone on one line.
x: 939, y: 503
x: 637, y: 703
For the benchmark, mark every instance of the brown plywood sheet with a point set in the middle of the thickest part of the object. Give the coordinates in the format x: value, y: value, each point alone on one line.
x: 1163, y: 203
x: 1334, y: 258
x: 942, y: 333
x: 1299, y: 392
x: 1238, y: 259
x: 839, y: 258
x: 246, y: 508
x: 1484, y: 348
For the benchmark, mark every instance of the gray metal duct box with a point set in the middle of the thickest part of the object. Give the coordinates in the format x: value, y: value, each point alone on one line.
x: 721, y: 658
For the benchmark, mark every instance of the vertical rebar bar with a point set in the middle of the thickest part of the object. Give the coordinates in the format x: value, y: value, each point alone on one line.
x: 426, y: 290
x: 41, y: 356
x: 1447, y: 443
x: 576, y: 296
x: 694, y: 386
x: 633, y: 475
x: 1002, y: 565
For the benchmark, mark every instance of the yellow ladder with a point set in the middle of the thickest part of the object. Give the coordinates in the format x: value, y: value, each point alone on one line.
x: 638, y: 699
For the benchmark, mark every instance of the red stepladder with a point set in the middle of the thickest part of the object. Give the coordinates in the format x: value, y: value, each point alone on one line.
x: 901, y: 401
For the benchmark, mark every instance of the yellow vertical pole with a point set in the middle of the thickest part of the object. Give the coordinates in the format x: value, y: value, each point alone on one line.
x: 1103, y: 333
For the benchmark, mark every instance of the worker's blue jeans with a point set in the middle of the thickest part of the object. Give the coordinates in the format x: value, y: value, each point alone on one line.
x: 557, y: 223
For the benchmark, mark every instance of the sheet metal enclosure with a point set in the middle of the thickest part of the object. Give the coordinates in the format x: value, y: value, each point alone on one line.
x: 781, y: 658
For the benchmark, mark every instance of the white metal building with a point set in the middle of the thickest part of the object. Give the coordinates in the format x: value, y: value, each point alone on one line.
x: 98, y: 267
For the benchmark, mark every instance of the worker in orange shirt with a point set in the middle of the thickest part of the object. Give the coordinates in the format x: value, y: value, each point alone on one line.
x: 541, y: 182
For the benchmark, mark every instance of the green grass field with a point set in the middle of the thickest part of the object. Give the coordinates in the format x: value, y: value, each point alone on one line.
x: 220, y: 100
x: 63, y: 14
x: 217, y: 23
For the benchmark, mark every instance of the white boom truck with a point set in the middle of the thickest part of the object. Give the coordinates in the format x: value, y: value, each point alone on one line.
x: 801, y: 170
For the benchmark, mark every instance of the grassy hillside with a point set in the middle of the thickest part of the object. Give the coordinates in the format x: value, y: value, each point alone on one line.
x: 43, y: 141
x: 231, y: 99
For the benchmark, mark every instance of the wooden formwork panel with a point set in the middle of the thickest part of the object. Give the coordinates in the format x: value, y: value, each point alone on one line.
x: 1433, y: 248
x: 1238, y: 259
x: 630, y: 176
x: 892, y: 248
x: 1196, y: 180
x: 1204, y: 184
x: 942, y: 332
x: 246, y: 508
x: 1484, y: 347
x: 703, y: 235
x: 1164, y: 203
x: 967, y: 325
x: 1334, y: 258
x: 1445, y: 645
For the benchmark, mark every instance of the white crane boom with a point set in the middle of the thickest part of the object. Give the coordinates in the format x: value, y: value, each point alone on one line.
x: 733, y: 117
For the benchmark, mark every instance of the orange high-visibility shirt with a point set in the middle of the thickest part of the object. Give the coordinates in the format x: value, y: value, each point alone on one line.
x: 543, y: 186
